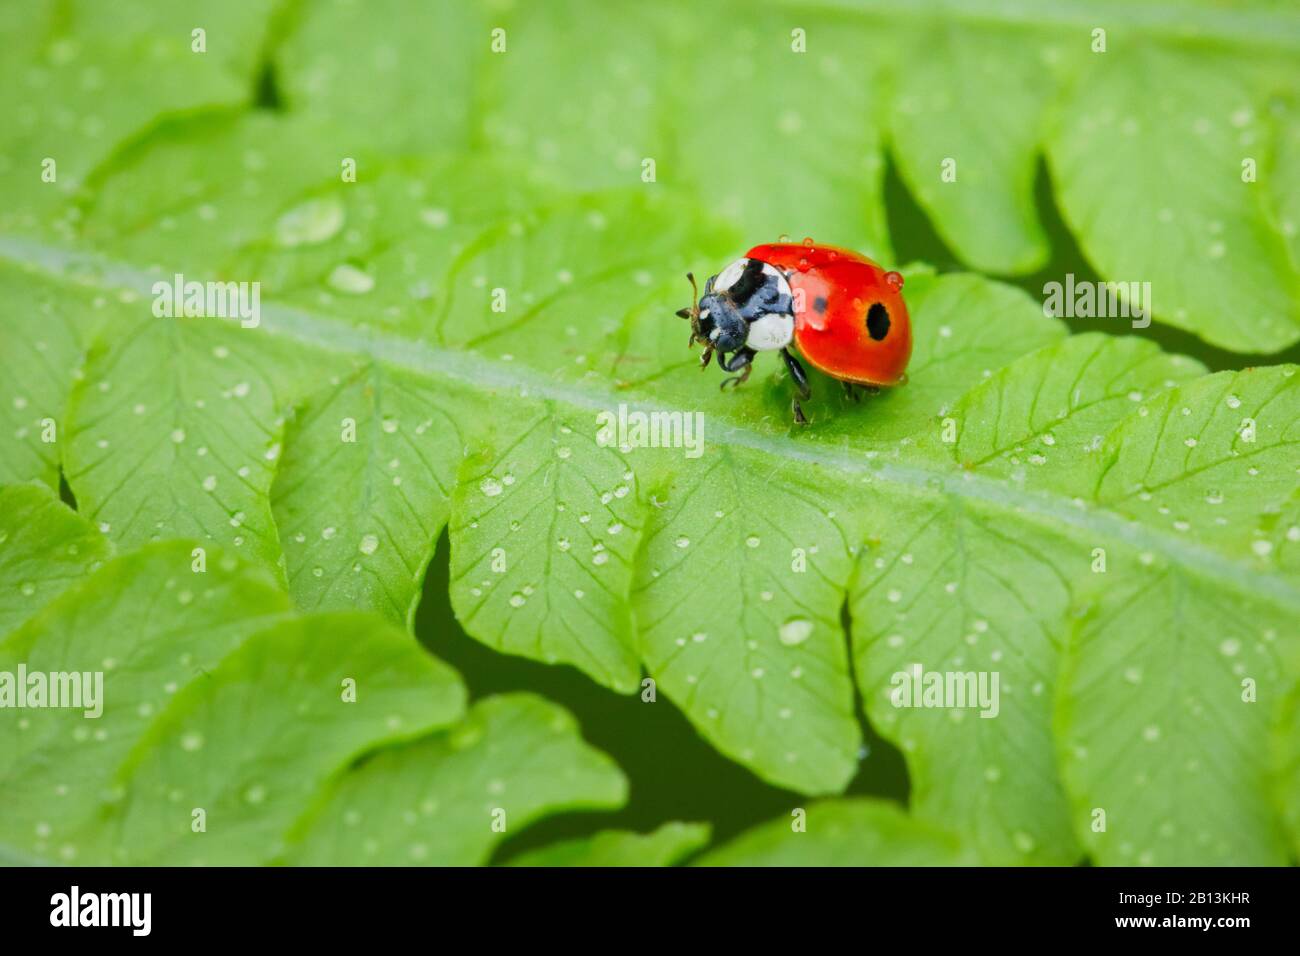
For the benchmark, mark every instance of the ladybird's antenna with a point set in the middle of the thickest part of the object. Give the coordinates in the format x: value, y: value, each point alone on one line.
x: 694, y: 314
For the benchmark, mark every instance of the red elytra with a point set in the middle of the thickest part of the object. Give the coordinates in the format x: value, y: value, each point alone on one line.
x: 836, y: 330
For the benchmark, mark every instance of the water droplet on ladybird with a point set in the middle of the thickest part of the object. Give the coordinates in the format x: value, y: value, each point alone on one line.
x: 808, y: 241
x: 895, y: 280
x: 783, y: 238
x: 803, y: 265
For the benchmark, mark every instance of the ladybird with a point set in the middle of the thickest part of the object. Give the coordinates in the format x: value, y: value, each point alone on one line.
x: 841, y: 311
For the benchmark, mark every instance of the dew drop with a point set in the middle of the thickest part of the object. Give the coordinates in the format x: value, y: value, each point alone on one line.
x: 434, y: 218
x: 369, y: 544
x: 490, y: 487
x: 347, y: 278
x: 310, y: 223
x: 795, y: 631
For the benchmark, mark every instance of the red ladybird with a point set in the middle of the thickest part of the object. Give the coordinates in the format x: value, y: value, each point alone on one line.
x: 843, y: 312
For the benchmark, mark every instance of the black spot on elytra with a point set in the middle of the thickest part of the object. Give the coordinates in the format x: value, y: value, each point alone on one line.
x: 819, y: 303
x: 751, y: 279
x: 878, y: 321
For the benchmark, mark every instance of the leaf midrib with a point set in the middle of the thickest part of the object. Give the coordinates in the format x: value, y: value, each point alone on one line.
x: 323, y: 332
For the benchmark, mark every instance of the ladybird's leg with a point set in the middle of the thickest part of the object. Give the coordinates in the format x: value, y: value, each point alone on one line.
x: 802, y: 388
x: 851, y: 392
x: 741, y: 361
x: 797, y: 409
x: 797, y: 373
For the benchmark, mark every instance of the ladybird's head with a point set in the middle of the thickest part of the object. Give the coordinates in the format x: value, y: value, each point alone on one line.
x: 716, y: 322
